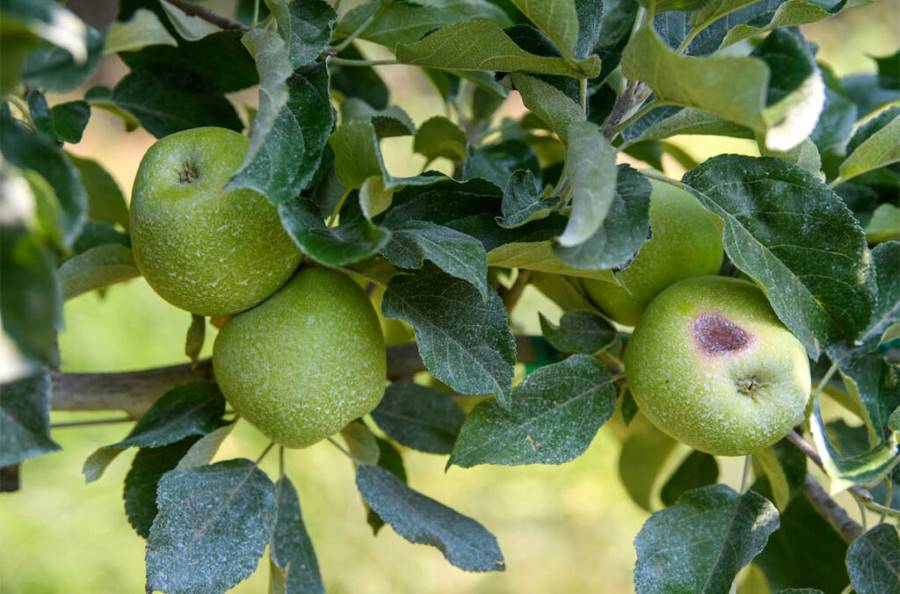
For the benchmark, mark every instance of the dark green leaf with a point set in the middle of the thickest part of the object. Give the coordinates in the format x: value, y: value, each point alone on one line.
x: 70, y: 119
x: 463, y: 340
x: 25, y: 419
x: 579, y: 331
x: 835, y: 123
x: 291, y: 549
x: 866, y: 92
x: 305, y: 26
x: 57, y: 69
x: 874, y: 145
x: 167, y: 100
x: 419, y: 417
x: 522, y: 200
x: 27, y: 149
x: 353, y: 240
x: 645, y: 453
x: 699, y: 469
x: 214, y: 523
x: 497, y: 162
x: 440, y: 137
x: 290, y: 155
x: 464, y: 542
x: 390, y: 459
x: 188, y: 410
x: 552, y: 417
x: 142, y: 479
x: 625, y: 228
x: 700, y: 543
x: 359, y: 81
x: 812, y: 264
x: 784, y: 467
x: 455, y: 253
x: 388, y: 122
x: 30, y: 300
x: 873, y: 561
x: 488, y: 48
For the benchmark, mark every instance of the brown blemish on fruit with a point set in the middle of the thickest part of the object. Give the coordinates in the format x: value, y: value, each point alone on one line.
x: 715, y: 335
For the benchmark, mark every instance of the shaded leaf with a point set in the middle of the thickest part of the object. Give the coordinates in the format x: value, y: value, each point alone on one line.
x: 881, y: 148
x: 440, y: 137
x: 57, y: 69
x: 699, y: 469
x: 496, y: 163
x: 214, y: 523
x: 700, y: 543
x: 873, y: 561
x: 419, y: 417
x: 552, y: 417
x: 579, y: 331
x: 361, y: 442
x: 291, y: 548
x: 205, y: 448
x: 96, y: 268
x: 419, y: 519
x: 522, y: 200
x: 548, y: 103
x: 388, y: 122
x: 390, y: 459
x: 306, y: 27
x: 142, y: 29
x: 25, y: 419
x: 644, y: 454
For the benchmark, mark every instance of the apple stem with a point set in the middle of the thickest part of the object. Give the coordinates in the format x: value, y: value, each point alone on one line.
x: 745, y: 477
x: 264, y: 452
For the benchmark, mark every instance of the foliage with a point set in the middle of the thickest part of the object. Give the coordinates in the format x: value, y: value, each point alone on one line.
x: 535, y: 200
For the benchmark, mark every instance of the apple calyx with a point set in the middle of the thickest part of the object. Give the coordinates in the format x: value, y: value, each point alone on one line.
x: 715, y: 335
x: 188, y: 172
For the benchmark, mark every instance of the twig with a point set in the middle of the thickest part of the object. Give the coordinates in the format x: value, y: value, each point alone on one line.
x: 634, y: 94
x: 511, y: 295
x: 201, y: 12
x: 88, y: 423
x: 828, y: 508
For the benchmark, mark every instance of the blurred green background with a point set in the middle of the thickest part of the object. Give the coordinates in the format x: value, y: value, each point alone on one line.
x: 562, y: 529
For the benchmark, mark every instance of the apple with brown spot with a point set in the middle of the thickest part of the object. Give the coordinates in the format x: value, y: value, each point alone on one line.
x: 711, y: 365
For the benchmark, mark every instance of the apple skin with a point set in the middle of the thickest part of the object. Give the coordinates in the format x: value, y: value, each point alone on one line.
x: 304, y: 363
x: 686, y: 241
x: 711, y: 365
x: 203, y: 249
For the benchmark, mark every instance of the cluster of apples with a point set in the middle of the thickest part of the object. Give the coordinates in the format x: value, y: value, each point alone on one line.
x: 302, y: 352
x: 708, y: 362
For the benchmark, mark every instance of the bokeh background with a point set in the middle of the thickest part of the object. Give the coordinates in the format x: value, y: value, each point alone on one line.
x: 562, y: 529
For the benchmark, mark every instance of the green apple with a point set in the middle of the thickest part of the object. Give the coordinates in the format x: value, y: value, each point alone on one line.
x: 305, y: 362
x: 711, y: 365
x: 686, y: 241
x: 203, y: 249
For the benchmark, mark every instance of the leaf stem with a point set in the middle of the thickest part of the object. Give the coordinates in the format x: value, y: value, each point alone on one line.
x: 337, y: 209
x: 345, y: 43
x: 824, y: 381
x: 511, y: 295
x: 201, y: 12
x: 343, y: 450
x: 264, y: 452
x: 663, y: 178
x: 835, y: 182
x: 347, y: 62
x: 638, y: 115
x: 582, y: 94
x: 90, y: 423
x: 280, y: 461
x: 255, y: 12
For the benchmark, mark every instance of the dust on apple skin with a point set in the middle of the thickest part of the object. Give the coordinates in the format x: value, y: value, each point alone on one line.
x: 203, y: 249
x: 305, y: 362
x: 711, y: 365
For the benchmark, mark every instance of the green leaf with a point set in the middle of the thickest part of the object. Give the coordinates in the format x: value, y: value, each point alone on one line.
x: 419, y: 519
x: 292, y: 150
x: 455, y: 253
x: 552, y: 417
x: 291, y: 549
x: 873, y: 560
x: 522, y: 200
x: 168, y: 100
x: 306, y: 27
x: 142, y: 479
x: 496, y: 163
x: 205, y: 448
x: 353, y: 240
x: 624, y: 230
x: 488, y: 48
x: 25, y: 419
x: 193, y: 340
x: 357, y: 156
x: 884, y: 225
x: 191, y: 409
x: 390, y: 459
x: 440, y: 137
x: 419, y: 417
x: 191, y: 28
x: 142, y: 29
x: 388, y: 122
x: 557, y: 19
x: 359, y: 81
x: 700, y: 543
x: 645, y: 452
x: 877, y: 150
x: 96, y: 268
x: 70, y: 119
x: 214, y: 523
x: 666, y: 122
x: 27, y: 149
x: 812, y: 264
x: 102, y: 98
x: 579, y: 331
x: 57, y: 69
x: 805, y: 551
x: 547, y: 102
x: 699, y: 469
x: 767, y: 463
x: 539, y: 256
x: 788, y: 14
x: 394, y: 23
x: 270, y: 54
x: 591, y: 170
x: 30, y: 301
x: 464, y: 340
x: 361, y: 442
